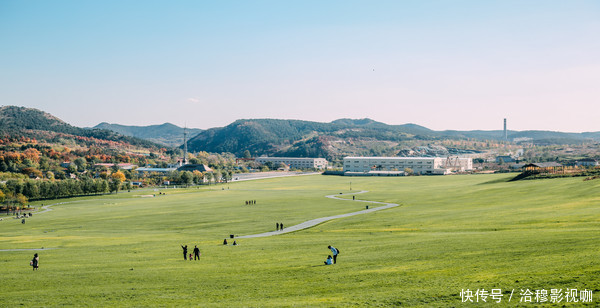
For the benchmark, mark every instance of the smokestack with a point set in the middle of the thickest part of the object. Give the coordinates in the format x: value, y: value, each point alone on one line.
x: 505, y: 134
x: 184, y: 161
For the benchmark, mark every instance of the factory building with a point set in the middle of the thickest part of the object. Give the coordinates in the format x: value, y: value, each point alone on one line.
x: 295, y: 162
x: 457, y: 164
x: 375, y: 165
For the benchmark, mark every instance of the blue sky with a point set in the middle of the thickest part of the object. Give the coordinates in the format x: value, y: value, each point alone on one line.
x: 441, y: 64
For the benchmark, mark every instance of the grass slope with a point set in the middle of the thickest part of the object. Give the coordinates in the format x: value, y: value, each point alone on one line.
x: 451, y: 233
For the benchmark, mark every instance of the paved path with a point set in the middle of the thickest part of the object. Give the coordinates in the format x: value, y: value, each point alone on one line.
x: 46, y: 208
x: 314, y: 222
x: 25, y: 249
x: 267, y: 175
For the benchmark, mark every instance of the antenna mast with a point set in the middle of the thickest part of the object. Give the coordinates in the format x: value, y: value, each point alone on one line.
x: 184, y: 145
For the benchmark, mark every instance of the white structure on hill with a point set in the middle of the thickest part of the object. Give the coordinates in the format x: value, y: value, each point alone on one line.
x: 419, y: 165
x: 295, y: 162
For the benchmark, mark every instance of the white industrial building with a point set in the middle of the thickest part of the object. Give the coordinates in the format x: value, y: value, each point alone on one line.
x: 375, y: 165
x: 295, y: 162
x: 457, y: 164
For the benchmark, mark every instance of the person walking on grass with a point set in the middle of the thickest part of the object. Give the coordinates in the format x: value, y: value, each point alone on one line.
x: 196, y: 252
x: 35, y: 262
x: 184, y: 251
x: 281, y: 226
x: 335, y: 252
x: 277, y: 226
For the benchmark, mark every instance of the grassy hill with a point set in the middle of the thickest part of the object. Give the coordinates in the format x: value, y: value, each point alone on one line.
x: 450, y: 234
x: 166, y: 134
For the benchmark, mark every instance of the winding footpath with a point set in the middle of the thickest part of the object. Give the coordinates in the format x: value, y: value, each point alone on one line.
x: 314, y: 222
x: 300, y: 226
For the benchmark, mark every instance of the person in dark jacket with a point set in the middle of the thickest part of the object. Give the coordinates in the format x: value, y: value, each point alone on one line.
x: 184, y: 251
x: 35, y: 262
x: 196, y: 253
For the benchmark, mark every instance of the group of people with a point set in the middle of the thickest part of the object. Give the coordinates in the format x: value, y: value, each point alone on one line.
x: 335, y: 253
x: 196, y: 253
x: 279, y: 226
x: 225, y: 242
x: 23, y: 215
x: 196, y: 256
x: 250, y: 202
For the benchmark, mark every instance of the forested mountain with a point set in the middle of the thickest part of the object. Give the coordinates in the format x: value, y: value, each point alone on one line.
x: 276, y: 137
x: 14, y: 119
x: 351, y: 137
x: 18, y: 122
x: 166, y: 134
x: 305, y: 138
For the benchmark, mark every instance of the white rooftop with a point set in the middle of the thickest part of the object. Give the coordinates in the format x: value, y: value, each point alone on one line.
x: 363, y: 157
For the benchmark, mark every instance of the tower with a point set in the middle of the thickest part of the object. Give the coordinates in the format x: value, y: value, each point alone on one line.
x: 505, y: 133
x: 184, y: 160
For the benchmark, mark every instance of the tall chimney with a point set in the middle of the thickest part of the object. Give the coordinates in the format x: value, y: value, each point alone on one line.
x: 184, y: 161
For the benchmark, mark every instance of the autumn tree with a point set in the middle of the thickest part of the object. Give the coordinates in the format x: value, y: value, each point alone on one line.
x: 21, y: 199
x: 116, y: 179
x: 198, y: 177
x: 32, y: 154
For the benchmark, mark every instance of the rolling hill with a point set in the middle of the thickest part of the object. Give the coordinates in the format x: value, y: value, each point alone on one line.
x: 166, y: 134
x: 276, y: 137
x: 18, y: 122
x: 306, y: 138
x: 352, y: 137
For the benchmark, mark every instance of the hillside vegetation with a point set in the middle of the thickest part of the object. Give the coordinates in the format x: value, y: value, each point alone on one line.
x: 363, y: 137
x: 166, y: 134
x: 305, y: 138
x: 43, y: 157
x: 17, y: 122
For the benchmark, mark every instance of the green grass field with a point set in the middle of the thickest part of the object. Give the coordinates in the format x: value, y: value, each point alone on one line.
x: 450, y: 233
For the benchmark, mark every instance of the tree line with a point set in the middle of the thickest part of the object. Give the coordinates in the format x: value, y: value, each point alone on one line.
x: 16, y: 192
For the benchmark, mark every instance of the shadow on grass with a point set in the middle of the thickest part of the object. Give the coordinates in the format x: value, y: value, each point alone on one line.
x: 500, y: 180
